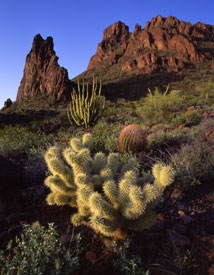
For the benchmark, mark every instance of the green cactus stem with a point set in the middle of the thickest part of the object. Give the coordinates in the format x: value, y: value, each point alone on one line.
x: 84, y: 110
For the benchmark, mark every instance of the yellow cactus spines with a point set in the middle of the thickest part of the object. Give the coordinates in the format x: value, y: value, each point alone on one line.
x: 87, y: 140
x: 84, y: 110
x: 166, y: 176
x: 156, y: 170
x: 130, y: 177
x: 151, y: 192
x: 77, y: 220
x: 76, y: 144
x: 145, y: 222
x: 99, y: 162
x: 110, y: 197
x: 84, y: 194
x: 81, y: 179
x: 137, y: 203
x: 130, y: 165
x: 79, y: 161
x: 113, y: 162
x: 57, y: 166
x: 99, y: 207
x: 50, y: 199
x: 103, y: 225
x: 106, y: 174
x: 111, y: 191
x: 56, y: 184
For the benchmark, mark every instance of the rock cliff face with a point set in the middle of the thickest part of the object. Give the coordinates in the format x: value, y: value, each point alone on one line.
x: 42, y: 73
x: 128, y: 63
x: 164, y: 43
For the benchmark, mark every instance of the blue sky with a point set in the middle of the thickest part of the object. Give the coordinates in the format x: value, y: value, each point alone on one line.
x: 76, y: 27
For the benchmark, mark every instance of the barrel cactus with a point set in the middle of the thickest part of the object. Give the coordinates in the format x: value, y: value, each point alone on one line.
x: 132, y: 138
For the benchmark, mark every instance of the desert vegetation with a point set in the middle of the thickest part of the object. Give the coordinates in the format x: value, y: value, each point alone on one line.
x: 122, y: 189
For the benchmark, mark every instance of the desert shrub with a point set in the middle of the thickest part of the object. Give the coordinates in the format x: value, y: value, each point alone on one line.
x: 39, y: 251
x: 205, y: 91
x: 161, y: 140
x: 190, y: 118
x: 105, y: 136
x: 193, y: 100
x: 62, y: 116
x: 14, y: 140
x: 193, y: 164
x: 160, y: 107
x: 199, y: 131
x: 126, y: 263
x: 110, y: 110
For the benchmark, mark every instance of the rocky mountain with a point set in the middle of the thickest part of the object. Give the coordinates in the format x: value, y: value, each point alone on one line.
x: 163, y: 42
x: 162, y: 52
x: 165, y: 51
x: 42, y: 73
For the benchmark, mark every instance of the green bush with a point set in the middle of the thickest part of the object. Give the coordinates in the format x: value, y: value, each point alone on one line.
x: 199, y: 131
x: 160, y: 107
x: 105, y: 136
x: 205, y: 91
x: 125, y: 263
x: 193, y: 164
x: 161, y: 140
x: 14, y: 140
x: 190, y: 118
x: 39, y: 251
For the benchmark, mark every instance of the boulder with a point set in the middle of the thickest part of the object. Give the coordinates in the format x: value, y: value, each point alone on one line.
x: 114, y: 35
x: 7, y: 104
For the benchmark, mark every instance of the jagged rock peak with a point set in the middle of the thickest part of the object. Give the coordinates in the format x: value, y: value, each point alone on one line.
x: 42, y: 73
x: 118, y: 31
x: 164, y: 43
x: 41, y: 46
x: 159, y: 21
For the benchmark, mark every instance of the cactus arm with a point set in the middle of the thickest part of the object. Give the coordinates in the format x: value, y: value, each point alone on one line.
x: 108, y: 201
x: 111, y: 191
x: 144, y: 221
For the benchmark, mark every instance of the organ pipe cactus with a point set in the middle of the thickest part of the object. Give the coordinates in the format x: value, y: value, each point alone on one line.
x: 110, y: 196
x: 132, y: 138
x: 83, y: 109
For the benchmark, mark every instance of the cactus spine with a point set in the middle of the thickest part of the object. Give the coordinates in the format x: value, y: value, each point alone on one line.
x: 132, y: 139
x: 85, y: 110
x: 110, y: 197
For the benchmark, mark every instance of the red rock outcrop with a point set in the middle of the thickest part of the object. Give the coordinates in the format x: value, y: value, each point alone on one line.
x: 163, y: 43
x: 42, y: 73
x: 114, y: 35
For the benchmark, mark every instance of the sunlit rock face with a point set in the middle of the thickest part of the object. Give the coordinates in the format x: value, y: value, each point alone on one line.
x: 42, y: 73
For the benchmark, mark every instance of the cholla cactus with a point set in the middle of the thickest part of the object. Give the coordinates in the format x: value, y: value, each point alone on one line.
x: 132, y: 138
x: 110, y: 197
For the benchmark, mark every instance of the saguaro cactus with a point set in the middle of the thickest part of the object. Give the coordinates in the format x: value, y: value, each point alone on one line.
x: 85, y: 110
x: 110, y: 197
x: 132, y: 138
